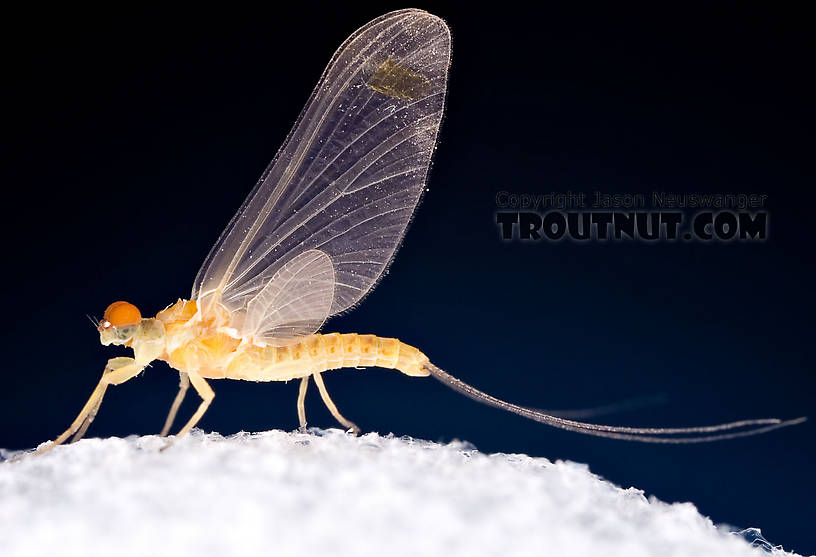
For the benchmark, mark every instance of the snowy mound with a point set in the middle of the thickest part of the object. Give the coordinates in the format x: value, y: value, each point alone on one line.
x: 327, y: 493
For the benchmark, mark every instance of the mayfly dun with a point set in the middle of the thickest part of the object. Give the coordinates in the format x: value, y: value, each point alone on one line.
x: 314, y: 237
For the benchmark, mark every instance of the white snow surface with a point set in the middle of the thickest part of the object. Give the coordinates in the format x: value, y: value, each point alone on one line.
x: 328, y: 493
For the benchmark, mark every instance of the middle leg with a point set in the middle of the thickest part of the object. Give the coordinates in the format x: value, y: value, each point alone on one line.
x: 207, y: 395
x: 184, y: 384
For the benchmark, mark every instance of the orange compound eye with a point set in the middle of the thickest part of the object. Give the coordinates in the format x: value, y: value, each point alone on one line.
x: 122, y: 314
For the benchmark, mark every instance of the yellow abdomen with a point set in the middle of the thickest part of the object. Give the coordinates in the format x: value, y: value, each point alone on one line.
x: 222, y: 357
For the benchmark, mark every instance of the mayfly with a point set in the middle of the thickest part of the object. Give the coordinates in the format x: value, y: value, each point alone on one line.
x: 314, y: 237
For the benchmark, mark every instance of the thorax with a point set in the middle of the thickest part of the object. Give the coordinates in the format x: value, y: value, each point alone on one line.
x: 195, y: 344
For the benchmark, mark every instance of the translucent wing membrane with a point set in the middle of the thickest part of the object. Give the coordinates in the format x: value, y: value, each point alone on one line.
x: 346, y: 181
x: 295, y: 302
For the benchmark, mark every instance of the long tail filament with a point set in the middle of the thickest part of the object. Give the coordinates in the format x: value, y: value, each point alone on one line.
x: 643, y: 434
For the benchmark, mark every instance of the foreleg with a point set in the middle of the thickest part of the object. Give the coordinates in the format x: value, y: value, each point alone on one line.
x: 81, y: 433
x: 117, y: 371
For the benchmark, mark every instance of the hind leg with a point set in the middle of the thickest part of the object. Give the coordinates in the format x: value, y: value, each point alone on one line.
x: 324, y: 394
x: 301, y: 403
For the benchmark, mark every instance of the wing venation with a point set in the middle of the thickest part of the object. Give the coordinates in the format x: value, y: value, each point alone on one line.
x: 346, y: 180
x: 294, y: 303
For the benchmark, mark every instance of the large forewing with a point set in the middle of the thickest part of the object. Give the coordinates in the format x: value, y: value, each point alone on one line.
x: 351, y: 172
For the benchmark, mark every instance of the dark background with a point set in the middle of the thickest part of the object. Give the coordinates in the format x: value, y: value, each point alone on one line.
x: 132, y: 138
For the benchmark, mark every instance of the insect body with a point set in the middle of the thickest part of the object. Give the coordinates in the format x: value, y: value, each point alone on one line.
x: 220, y: 356
x: 314, y: 237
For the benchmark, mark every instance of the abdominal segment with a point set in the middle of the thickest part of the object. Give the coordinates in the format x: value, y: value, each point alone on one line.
x: 223, y: 357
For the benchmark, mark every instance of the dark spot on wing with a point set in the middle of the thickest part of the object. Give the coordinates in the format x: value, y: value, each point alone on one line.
x: 399, y: 82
